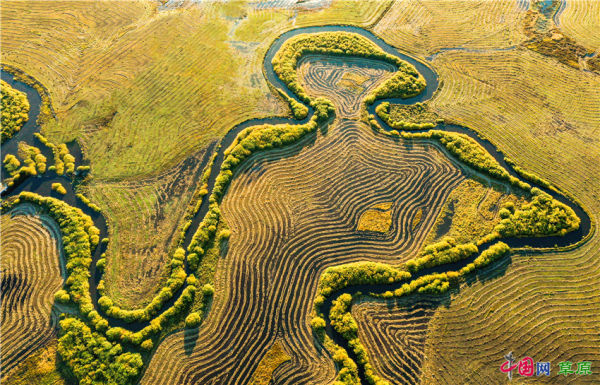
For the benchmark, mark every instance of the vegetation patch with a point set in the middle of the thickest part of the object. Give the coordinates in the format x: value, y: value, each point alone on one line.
x: 542, y: 216
x: 407, y: 117
x: 59, y: 188
x: 377, y: 219
x: 549, y: 40
x: 474, y: 212
x: 15, y: 110
x: 93, y: 359
x: 274, y: 357
x: 41, y: 368
x: 416, y: 220
x: 353, y: 81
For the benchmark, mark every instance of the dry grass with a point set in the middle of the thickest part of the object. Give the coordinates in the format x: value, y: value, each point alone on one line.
x: 40, y: 368
x: 426, y: 26
x: 143, y: 220
x: 580, y: 21
x: 31, y: 274
x: 286, y: 208
x: 375, y: 220
x: 274, y: 357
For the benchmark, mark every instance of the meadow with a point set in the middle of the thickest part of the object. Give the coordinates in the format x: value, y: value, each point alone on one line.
x: 148, y: 90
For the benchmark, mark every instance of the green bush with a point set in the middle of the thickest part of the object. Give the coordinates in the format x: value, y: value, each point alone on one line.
x: 193, y: 320
x: 64, y: 162
x: 542, y: 216
x: 441, y: 253
x: 337, y: 277
x: 11, y: 164
x: 93, y: 359
x: 299, y: 110
x: 15, y: 110
x: 147, y: 345
x: 35, y: 162
x: 62, y: 296
x: 59, y: 188
x: 88, y: 203
x: 489, y: 255
x: 411, y: 117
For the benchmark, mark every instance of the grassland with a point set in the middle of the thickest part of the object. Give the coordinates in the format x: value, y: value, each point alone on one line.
x: 471, y: 211
x: 121, y: 71
x: 41, y: 367
x: 31, y: 273
x: 283, y: 221
x: 274, y: 357
x: 426, y: 27
x: 274, y: 217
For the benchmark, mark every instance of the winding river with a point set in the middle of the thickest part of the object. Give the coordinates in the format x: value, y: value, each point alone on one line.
x: 42, y: 184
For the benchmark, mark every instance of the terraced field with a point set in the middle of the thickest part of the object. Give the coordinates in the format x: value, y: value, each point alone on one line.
x: 31, y: 274
x: 278, y: 276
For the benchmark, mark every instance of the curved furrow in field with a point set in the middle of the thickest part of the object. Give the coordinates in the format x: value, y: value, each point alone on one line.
x: 345, y: 81
x: 31, y: 274
x: 284, y: 221
x: 293, y: 212
x: 394, y: 334
x: 490, y: 319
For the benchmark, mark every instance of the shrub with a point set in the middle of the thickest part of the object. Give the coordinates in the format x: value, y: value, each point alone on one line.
x: 489, y: 255
x: 101, y: 264
x: 147, y: 345
x: 59, y: 188
x: 193, y: 320
x: 93, y: 359
x: 441, y: 253
x: 411, y: 117
x: 542, y: 216
x: 11, y: 164
x: 88, y: 203
x: 62, y: 296
x: 15, y: 108
x: 208, y: 290
x: 358, y: 273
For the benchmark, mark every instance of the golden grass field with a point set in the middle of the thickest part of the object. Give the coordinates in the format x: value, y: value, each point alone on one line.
x: 143, y: 89
x: 31, y: 274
